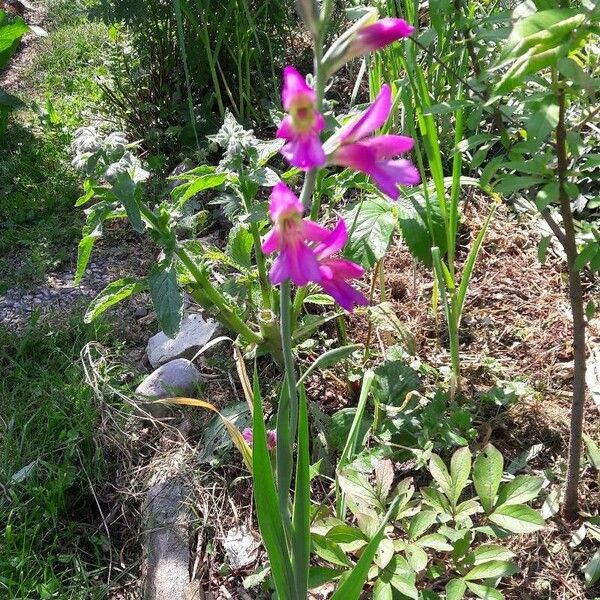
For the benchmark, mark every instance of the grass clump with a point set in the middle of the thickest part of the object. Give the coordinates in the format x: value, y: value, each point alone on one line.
x: 39, y: 226
x: 51, y: 545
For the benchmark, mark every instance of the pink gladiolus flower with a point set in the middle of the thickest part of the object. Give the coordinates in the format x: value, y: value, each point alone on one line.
x: 271, y: 438
x: 303, y: 123
x: 372, y: 155
x: 377, y: 35
x: 296, y: 261
x: 336, y: 271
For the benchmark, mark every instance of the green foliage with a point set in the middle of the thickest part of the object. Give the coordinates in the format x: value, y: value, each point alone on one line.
x: 435, y: 535
x: 49, y: 460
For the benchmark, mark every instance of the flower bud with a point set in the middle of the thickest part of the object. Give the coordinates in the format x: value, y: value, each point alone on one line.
x: 367, y: 35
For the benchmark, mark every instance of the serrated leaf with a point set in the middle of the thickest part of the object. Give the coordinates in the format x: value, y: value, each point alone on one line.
x: 421, y: 231
x: 239, y: 246
x: 487, y: 475
x: 371, y: 225
x: 521, y: 489
x: 128, y: 193
x: 393, y: 381
x: 182, y: 193
x: 114, y: 292
x: 517, y: 518
x: 166, y: 297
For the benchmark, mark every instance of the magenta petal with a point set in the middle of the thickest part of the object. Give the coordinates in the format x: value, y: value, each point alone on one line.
x: 344, y: 268
x: 280, y: 271
x: 314, y: 232
x: 335, y: 241
x: 294, y: 87
x: 271, y: 242
x: 388, y: 146
x: 286, y: 129
x: 357, y: 156
x: 305, y: 152
x: 373, y: 118
x: 303, y: 266
x: 387, y: 176
x: 283, y: 200
x: 378, y: 35
x: 344, y: 294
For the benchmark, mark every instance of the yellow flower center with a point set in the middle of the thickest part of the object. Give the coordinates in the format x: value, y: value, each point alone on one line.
x: 303, y: 115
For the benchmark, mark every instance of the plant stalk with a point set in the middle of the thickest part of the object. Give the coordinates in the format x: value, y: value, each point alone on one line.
x: 570, y: 506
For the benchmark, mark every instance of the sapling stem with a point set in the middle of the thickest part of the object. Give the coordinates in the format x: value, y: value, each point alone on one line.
x: 570, y: 506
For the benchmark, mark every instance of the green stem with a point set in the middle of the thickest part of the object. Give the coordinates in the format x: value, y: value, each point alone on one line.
x: 217, y: 299
x: 288, y: 356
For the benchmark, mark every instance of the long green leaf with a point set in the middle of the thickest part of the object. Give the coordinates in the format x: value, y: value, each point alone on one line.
x: 352, y: 586
x: 350, y: 447
x: 329, y: 358
x: 301, y: 511
x: 470, y: 264
x: 267, y: 508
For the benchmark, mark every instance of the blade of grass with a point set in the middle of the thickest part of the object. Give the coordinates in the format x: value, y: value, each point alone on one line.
x: 350, y: 447
x: 353, y: 585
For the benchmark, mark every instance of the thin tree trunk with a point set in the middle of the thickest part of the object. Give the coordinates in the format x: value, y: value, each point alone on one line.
x: 570, y: 506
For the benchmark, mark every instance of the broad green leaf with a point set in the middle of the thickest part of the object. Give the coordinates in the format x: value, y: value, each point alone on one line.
x: 435, y: 541
x: 491, y: 570
x: 543, y: 120
x: 371, y: 224
x: 129, y: 193
x: 239, y: 246
x: 10, y: 100
x: 487, y: 475
x: 356, y: 487
x: 517, y: 518
x: 586, y: 255
x: 416, y: 557
x: 543, y: 248
x: 439, y: 472
x: 455, y: 589
x: 521, y: 489
x: 345, y: 534
x: 485, y: 592
x: 111, y: 294
x: 382, y: 590
x: 460, y: 469
x: 318, y: 576
x: 182, y: 193
x: 592, y: 570
x: 166, y: 297
x: 511, y: 183
x: 420, y: 523
x: 489, y: 552
x: 434, y: 498
x: 393, y: 381
x: 10, y: 35
x: 593, y: 451
x: 422, y: 227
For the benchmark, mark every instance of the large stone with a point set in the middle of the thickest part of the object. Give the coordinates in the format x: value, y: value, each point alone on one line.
x: 178, y: 377
x: 194, y: 333
x: 167, y: 542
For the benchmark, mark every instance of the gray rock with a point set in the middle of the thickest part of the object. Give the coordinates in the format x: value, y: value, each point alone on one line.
x: 195, y: 333
x: 167, y: 542
x: 178, y: 377
x: 140, y: 312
